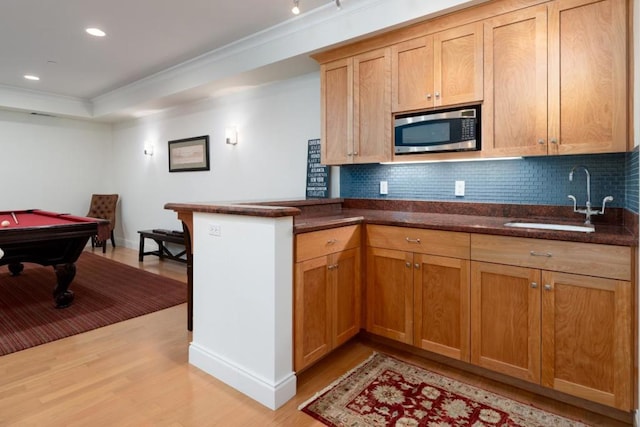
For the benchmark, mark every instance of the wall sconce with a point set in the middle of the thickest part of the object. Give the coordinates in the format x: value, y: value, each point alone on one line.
x: 231, y: 135
x: 148, y: 149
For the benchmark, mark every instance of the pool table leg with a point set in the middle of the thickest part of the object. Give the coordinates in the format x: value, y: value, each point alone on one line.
x: 64, y: 274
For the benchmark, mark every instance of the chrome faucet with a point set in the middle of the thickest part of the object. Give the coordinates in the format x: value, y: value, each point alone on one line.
x: 587, y: 211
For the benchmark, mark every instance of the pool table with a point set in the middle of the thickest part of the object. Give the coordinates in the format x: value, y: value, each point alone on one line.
x: 48, y: 238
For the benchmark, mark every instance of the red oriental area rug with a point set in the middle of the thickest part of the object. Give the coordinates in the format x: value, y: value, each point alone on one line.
x: 384, y: 391
x: 105, y: 291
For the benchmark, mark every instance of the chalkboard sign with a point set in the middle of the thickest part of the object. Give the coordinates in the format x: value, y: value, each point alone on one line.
x: 317, y: 174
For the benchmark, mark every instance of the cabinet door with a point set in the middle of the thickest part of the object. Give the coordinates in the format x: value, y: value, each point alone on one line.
x: 372, y: 106
x: 505, y: 319
x: 457, y: 57
x: 587, y: 76
x: 390, y: 294
x: 412, y: 74
x: 346, y: 301
x: 312, y: 312
x: 586, y: 337
x: 515, y: 84
x: 441, y: 295
x: 336, y: 82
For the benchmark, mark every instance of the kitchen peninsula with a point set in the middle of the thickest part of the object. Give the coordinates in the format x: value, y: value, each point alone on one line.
x: 250, y: 328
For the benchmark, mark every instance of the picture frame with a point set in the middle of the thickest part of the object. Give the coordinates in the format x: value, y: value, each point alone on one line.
x: 189, y: 154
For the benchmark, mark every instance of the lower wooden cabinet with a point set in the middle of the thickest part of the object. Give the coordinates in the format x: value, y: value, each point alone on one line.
x: 327, y: 295
x: 586, y: 337
x: 505, y: 319
x: 569, y: 332
x: 554, y: 313
x: 419, y: 297
x: 390, y: 294
x: 441, y: 305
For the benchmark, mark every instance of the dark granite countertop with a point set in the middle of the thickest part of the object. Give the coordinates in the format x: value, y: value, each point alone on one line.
x: 617, y: 227
x: 604, y: 234
x: 249, y: 209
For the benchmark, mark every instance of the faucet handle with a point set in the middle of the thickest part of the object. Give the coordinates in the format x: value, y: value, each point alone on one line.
x: 575, y: 203
x: 604, y: 202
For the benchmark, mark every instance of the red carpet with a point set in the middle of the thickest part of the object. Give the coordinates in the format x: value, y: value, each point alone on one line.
x: 106, y: 292
x: 387, y: 392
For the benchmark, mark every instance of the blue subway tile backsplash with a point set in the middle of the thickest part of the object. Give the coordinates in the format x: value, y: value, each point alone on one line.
x: 531, y: 180
x: 632, y: 201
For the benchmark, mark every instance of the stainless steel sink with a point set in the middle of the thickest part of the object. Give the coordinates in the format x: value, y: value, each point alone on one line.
x: 559, y: 227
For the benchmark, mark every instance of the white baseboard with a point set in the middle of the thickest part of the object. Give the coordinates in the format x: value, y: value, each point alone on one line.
x: 271, y: 395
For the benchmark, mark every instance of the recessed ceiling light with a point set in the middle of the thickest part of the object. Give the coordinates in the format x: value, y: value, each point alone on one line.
x: 31, y: 77
x: 96, y: 32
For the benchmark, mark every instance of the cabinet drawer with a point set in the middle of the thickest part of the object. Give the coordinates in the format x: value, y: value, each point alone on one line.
x: 432, y: 242
x: 570, y: 257
x: 324, y: 242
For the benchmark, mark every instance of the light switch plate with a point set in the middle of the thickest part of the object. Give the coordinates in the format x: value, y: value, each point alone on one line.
x: 384, y: 187
x: 459, y: 191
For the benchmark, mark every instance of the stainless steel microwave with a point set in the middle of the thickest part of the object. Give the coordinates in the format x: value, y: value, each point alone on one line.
x: 455, y: 129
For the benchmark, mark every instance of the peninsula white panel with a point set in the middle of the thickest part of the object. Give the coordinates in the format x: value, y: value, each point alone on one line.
x: 243, y: 303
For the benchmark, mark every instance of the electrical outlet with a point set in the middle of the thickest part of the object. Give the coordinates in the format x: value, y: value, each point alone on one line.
x: 215, y: 229
x: 459, y: 191
x: 384, y: 187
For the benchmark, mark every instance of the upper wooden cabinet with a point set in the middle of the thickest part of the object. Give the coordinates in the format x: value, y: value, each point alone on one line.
x: 587, y: 76
x: 552, y: 78
x: 336, y: 83
x: 437, y: 70
x: 356, y: 109
x: 514, y: 113
x: 555, y: 80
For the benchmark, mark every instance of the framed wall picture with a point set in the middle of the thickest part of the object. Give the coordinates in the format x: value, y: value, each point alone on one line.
x: 190, y: 154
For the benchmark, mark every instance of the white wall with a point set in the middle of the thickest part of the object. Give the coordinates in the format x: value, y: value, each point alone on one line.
x: 274, y: 124
x: 53, y: 163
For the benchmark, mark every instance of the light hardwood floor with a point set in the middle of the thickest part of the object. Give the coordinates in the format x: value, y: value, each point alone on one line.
x: 136, y: 373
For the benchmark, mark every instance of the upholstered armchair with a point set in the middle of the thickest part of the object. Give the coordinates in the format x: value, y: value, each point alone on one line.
x: 103, y: 206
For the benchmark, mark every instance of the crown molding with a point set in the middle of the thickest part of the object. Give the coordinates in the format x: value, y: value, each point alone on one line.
x: 19, y: 99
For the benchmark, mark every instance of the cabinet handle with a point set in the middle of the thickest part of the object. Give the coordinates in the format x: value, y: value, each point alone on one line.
x: 416, y: 265
x: 547, y: 287
x: 417, y: 241
x: 541, y: 141
x: 355, y: 153
x: 547, y: 254
x: 428, y: 96
x: 408, y: 264
x: 437, y: 94
x: 554, y: 140
x: 332, y: 267
x: 534, y: 285
x: 349, y: 154
x: 331, y: 242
